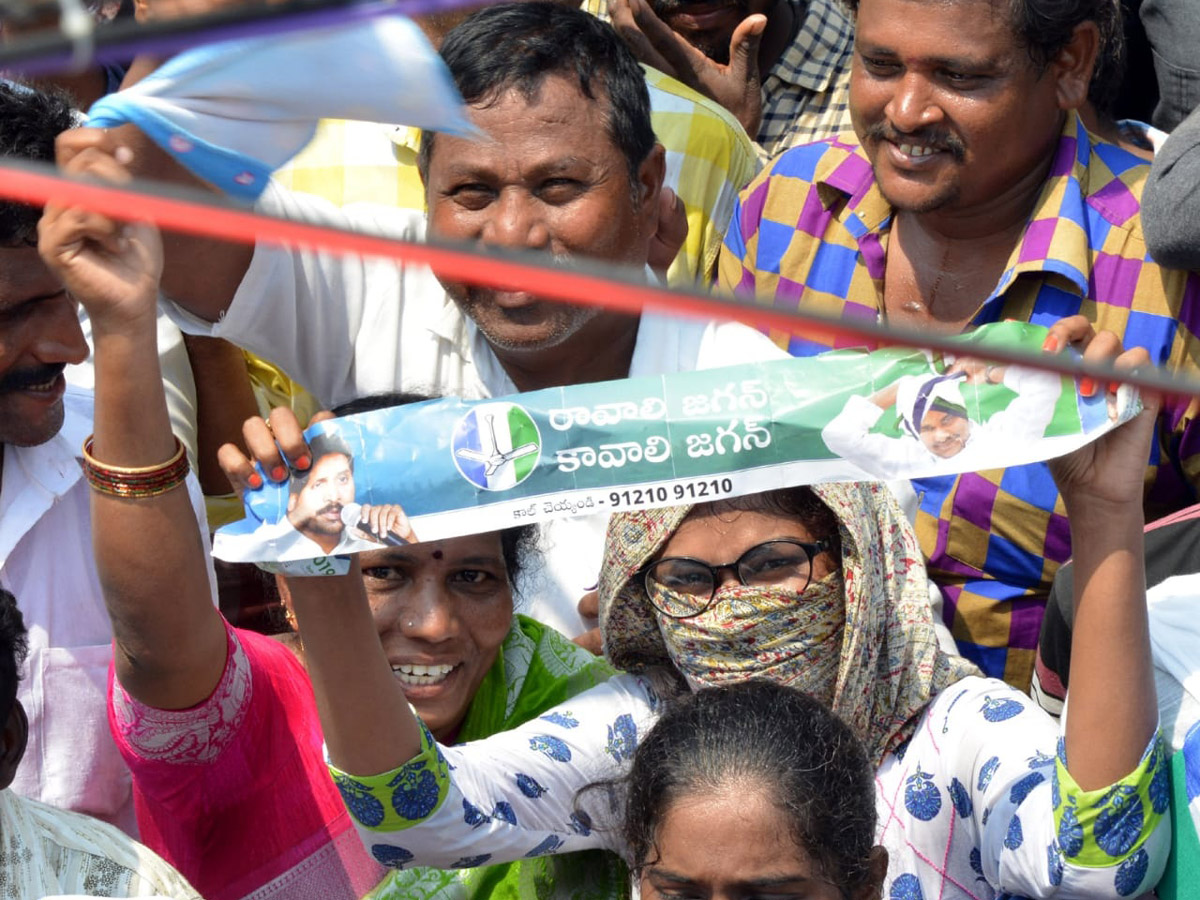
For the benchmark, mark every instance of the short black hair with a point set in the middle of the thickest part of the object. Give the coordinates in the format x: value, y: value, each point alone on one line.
x: 517, y: 45
x: 1111, y: 62
x: 760, y: 735
x: 328, y: 443
x: 517, y: 544
x: 30, y: 121
x: 1044, y: 27
x: 799, y: 503
x: 14, y: 647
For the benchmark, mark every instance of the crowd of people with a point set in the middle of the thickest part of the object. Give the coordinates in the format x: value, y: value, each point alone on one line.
x: 851, y: 690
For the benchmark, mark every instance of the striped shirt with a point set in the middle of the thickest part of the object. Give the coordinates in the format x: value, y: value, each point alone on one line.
x: 813, y: 228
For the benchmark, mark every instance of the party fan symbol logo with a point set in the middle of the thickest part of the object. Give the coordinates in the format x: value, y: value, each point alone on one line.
x: 496, y: 446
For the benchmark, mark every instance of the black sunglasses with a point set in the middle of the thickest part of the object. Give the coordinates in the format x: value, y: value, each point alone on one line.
x: 682, y: 587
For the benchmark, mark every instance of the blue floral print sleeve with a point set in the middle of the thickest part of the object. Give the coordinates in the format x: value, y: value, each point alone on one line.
x: 508, y: 796
x: 980, y: 804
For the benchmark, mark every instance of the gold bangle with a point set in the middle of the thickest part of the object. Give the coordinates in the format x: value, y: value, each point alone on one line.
x: 129, y: 470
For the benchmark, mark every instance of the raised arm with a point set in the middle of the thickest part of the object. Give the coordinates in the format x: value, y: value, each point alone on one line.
x: 368, y: 724
x: 200, y: 274
x: 1112, y: 711
x: 150, y: 555
x: 849, y: 435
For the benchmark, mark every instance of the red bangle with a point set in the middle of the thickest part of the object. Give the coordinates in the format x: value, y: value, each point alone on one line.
x: 137, y: 482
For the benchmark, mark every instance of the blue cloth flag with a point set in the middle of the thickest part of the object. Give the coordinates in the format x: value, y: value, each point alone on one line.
x: 235, y: 111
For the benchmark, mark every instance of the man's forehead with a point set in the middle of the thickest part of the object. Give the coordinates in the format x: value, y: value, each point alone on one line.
x: 332, y: 461
x: 992, y: 9
x: 517, y: 112
x: 890, y: 19
x: 23, y: 276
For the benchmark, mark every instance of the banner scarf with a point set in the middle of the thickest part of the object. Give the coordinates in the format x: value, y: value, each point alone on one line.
x: 462, y: 467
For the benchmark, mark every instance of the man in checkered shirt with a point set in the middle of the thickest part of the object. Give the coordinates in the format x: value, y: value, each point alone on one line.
x: 971, y: 193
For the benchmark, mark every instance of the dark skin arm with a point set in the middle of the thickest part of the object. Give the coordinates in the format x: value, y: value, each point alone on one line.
x: 224, y: 399
x: 1112, y: 678
x: 736, y: 86
x: 200, y: 274
x: 170, y: 640
x: 368, y: 725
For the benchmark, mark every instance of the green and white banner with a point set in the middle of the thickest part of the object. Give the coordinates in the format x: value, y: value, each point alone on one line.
x: 462, y: 467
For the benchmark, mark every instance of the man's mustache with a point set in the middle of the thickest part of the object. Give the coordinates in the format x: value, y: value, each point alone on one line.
x: 926, y: 137
x: 21, y: 379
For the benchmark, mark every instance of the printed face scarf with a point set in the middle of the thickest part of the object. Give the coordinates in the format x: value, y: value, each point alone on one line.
x: 771, y: 633
x: 885, y: 652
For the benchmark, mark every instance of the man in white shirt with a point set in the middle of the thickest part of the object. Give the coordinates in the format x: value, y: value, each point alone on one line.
x: 45, y: 528
x: 934, y: 422
x: 568, y: 164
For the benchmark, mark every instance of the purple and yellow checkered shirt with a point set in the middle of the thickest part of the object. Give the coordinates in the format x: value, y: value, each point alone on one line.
x: 812, y: 229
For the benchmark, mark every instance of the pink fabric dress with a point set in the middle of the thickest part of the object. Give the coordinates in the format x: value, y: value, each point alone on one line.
x: 234, y: 792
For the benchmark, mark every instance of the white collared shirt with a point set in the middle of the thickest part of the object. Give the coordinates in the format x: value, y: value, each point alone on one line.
x: 46, y: 562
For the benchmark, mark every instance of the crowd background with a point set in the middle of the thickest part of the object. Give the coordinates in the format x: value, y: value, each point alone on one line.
x: 425, y: 727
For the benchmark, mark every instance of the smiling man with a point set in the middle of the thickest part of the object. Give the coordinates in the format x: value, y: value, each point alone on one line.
x: 973, y: 194
x: 934, y: 423
x: 567, y: 164
x: 321, y: 507
x: 318, y: 496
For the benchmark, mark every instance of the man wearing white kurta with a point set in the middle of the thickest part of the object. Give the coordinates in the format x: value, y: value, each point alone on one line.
x: 353, y: 327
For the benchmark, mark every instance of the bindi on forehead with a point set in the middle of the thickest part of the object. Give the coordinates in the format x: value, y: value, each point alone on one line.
x: 437, y: 554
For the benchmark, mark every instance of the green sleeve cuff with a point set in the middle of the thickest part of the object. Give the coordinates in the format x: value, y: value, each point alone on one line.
x: 1101, y: 828
x: 401, y: 798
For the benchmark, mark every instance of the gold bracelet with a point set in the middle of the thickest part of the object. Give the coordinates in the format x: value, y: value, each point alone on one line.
x: 130, y: 470
x: 135, y: 482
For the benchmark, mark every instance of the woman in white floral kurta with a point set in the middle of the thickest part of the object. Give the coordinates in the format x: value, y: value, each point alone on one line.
x: 974, y: 793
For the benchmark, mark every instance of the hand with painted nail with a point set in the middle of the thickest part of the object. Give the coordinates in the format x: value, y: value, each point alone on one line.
x: 277, y: 445
x: 320, y: 477
x: 1077, y: 332
x: 1109, y: 472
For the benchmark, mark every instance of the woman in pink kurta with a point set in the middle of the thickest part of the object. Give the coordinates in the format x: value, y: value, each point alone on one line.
x: 218, y: 725
x: 235, y: 790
